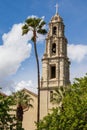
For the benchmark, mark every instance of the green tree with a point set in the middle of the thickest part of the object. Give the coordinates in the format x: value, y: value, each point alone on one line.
x: 58, y: 96
x: 7, y: 119
x: 23, y: 101
x: 73, y: 116
x: 50, y: 122
x: 36, y: 26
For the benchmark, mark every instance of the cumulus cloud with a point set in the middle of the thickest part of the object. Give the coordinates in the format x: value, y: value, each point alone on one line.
x: 15, y: 49
x: 26, y: 84
x: 77, y: 70
x: 78, y: 56
x: 77, y: 52
x: 7, y: 87
x: 10, y: 86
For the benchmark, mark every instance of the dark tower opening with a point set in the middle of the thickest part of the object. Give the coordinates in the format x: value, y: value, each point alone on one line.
x: 51, y: 96
x: 54, y: 30
x: 53, y: 72
x: 54, y: 48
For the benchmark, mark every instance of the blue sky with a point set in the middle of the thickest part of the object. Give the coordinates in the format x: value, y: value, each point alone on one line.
x: 17, y: 60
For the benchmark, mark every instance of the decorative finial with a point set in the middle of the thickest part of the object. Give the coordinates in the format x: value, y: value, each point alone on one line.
x: 56, y: 8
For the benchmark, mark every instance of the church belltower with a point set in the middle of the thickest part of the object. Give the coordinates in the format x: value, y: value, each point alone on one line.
x: 55, y: 63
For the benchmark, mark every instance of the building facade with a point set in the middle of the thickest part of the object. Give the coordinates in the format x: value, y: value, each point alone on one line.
x: 55, y: 63
x: 30, y: 116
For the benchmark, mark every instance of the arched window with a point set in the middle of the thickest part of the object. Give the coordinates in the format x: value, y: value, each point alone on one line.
x: 54, y: 48
x: 54, y: 30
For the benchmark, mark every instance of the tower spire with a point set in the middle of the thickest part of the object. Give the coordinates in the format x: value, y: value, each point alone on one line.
x: 56, y: 8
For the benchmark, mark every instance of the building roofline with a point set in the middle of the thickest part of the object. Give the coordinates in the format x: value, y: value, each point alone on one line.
x: 3, y: 94
x: 32, y: 93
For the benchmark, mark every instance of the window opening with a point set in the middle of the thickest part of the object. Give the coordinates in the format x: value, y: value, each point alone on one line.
x: 53, y: 48
x: 53, y: 72
x: 51, y: 96
x: 54, y: 30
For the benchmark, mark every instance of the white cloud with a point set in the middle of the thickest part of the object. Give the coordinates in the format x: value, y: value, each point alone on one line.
x: 25, y: 84
x: 15, y: 49
x: 34, y: 16
x: 7, y: 87
x: 10, y: 86
x: 40, y: 37
x: 77, y: 52
x: 78, y: 56
x: 77, y: 70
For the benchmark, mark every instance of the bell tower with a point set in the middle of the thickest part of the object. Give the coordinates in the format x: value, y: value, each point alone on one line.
x: 55, y: 63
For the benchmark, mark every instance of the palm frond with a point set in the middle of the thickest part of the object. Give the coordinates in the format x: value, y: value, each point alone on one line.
x: 33, y: 22
x: 42, y: 31
x: 58, y: 95
x: 37, y: 22
x: 21, y: 97
x: 24, y: 27
x: 25, y: 31
x: 42, y: 23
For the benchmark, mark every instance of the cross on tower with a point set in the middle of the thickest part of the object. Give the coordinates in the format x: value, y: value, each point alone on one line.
x: 56, y: 8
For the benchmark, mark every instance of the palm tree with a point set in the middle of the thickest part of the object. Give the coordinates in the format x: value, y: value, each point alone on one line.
x: 23, y: 104
x: 58, y: 96
x: 36, y: 26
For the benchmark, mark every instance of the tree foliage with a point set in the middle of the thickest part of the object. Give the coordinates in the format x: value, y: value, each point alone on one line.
x: 73, y: 116
x: 7, y: 119
x: 11, y: 117
x: 59, y: 95
x: 23, y: 103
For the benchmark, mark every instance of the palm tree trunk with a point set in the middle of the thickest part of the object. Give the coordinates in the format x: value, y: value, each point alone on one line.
x: 38, y: 74
x: 19, y: 114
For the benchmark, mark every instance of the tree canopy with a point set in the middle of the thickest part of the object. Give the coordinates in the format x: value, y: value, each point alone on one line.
x: 7, y: 119
x: 73, y: 115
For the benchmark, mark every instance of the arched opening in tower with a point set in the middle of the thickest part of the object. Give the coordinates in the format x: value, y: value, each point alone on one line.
x: 54, y: 48
x: 54, y: 30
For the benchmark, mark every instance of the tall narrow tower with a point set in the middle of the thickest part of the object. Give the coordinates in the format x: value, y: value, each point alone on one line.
x: 55, y: 63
